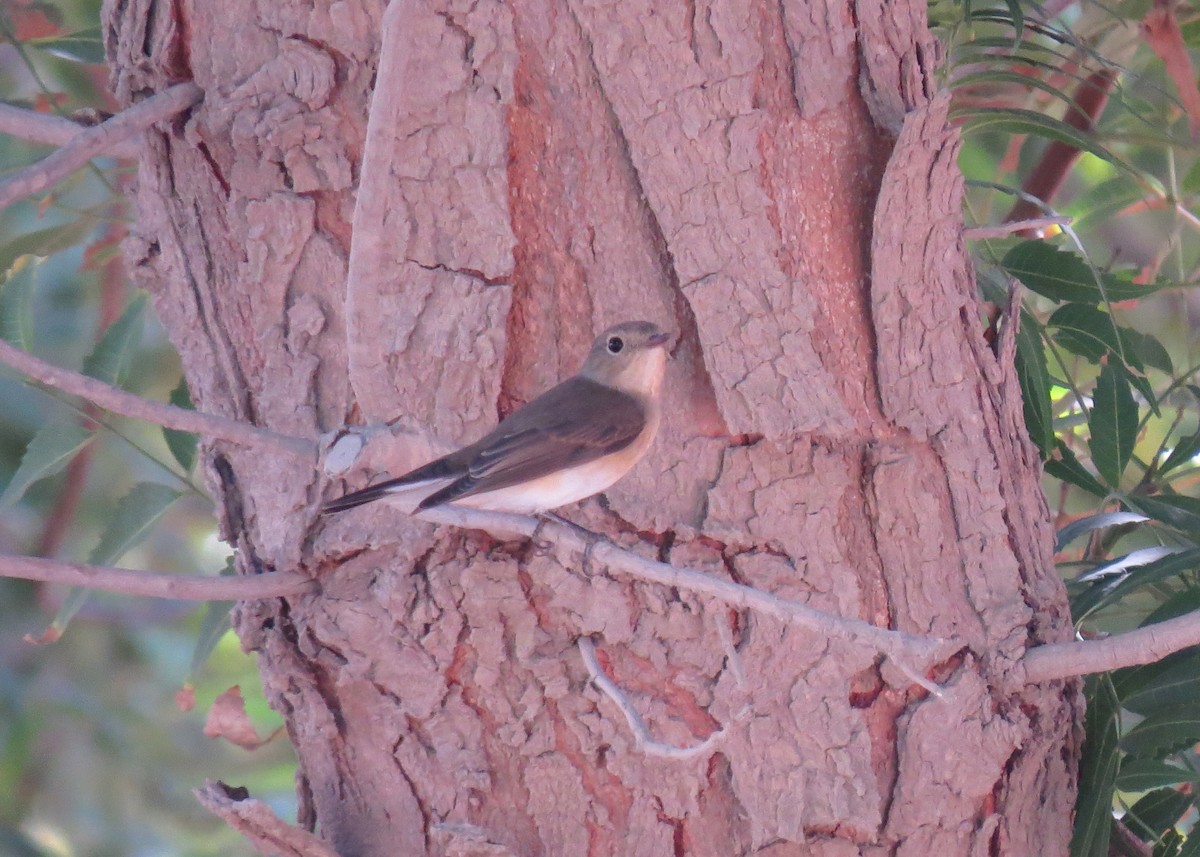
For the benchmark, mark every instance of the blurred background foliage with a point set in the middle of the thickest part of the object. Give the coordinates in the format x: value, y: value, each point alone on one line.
x: 1090, y: 112
x: 1083, y: 112
x: 96, y: 755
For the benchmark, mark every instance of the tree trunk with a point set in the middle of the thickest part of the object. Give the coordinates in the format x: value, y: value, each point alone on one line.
x: 775, y: 183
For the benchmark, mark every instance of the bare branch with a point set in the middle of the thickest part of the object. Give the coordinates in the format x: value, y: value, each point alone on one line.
x: 641, y: 733
x: 55, y: 130
x: 181, y: 587
x: 120, y: 402
x: 1003, y: 230
x: 899, y: 646
x: 266, y: 831
x: 1142, y: 646
x: 91, y: 142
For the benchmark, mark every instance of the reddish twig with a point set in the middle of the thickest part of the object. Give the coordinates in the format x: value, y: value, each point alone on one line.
x: 1142, y: 646
x: 127, y: 404
x: 154, y: 584
x: 54, y: 130
x: 91, y: 142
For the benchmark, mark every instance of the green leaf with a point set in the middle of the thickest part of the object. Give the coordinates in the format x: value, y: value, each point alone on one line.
x: 1113, y: 423
x: 1156, y: 812
x: 1013, y: 120
x: 1148, y: 349
x: 1063, y: 276
x: 1085, y: 330
x: 1063, y: 465
x: 16, y: 302
x: 1164, y: 731
x: 76, y: 597
x: 1141, y: 775
x: 1035, y: 384
x: 1191, y: 181
x: 181, y: 443
x: 113, y: 355
x: 1091, y: 523
x: 84, y: 46
x: 136, y: 513
x: 48, y: 452
x: 1176, y: 605
x: 1097, y: 770
x: 1103, y: 593
x: 1184, y: 451
x: 48, y: 241
x: 1091, y: 333
x: 1164, y: 684
x: 1174, y: 510
x: 991, y: 77
x: 212, y: 628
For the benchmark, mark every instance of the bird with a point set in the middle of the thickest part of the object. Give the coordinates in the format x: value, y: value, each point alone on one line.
x: 571, y: 442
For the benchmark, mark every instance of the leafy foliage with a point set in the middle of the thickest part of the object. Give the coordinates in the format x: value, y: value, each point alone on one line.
x: 97, y: 756
x: 1089, y: 121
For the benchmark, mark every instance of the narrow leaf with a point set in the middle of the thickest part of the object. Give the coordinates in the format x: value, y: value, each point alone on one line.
x: 1164, y: 684
x: 51, y: 448
x: 1148, y: 349
x: 181, y: 443
x: 1090, y: 332
x: 1184, y: 451
x: 1063, y: 276
x: 113, y: 355
x: 1097, y: 770
x: 1012, y: 120
x: 77, y: 596
x: 1141, y: 775
x: 16, y: 302
x: 48, y: 241
x: 1034, y: 379
x: 135, y: 515
x: 1089, y: 523
x: 1175, y: 510
x: 1113, y: 423
x: 1157, y: 812
x: 1063, y: 465
x: 1104, y: 593
x: 213, y: 626
x: 1133, y: 559
x: 1164, y: 731
x: 84, y: 46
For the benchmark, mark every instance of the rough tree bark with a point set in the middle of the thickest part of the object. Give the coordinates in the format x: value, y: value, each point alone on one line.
x: 775, y: 182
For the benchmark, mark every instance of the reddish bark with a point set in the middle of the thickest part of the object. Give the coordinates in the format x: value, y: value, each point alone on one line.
x: 777, y: 184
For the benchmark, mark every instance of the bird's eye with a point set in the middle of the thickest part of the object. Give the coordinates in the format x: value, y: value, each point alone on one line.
x: 615, y: 344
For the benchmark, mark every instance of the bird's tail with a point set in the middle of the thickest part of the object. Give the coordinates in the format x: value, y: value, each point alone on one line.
x: 358, y: 498
x: 430, y: 477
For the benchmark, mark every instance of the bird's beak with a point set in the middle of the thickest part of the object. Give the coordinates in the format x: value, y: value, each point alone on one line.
x: 658, y: 339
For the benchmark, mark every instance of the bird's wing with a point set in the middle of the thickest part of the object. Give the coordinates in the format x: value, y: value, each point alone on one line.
x: 551, y: 433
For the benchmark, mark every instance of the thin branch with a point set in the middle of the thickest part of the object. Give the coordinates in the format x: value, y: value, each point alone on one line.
x: 157, y: 584
x: 1003, y: 230
x: 91, y: 142
x: 899, y: 646
x: 268, y: 833
x: 127, y: 404
x: 1142, y: 646
x: 641, y: 733
x: 54, y: 130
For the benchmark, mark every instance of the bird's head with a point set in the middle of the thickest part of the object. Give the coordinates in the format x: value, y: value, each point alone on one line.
x: 630, y: 356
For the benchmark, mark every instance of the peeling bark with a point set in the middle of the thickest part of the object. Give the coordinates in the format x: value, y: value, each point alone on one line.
x: 777, y: 183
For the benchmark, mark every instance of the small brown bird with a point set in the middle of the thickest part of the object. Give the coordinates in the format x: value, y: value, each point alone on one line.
x: 569, y: 443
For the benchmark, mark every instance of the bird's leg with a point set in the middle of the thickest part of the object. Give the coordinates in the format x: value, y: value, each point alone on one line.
x: 590, y: 538
x: 540, y: 546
